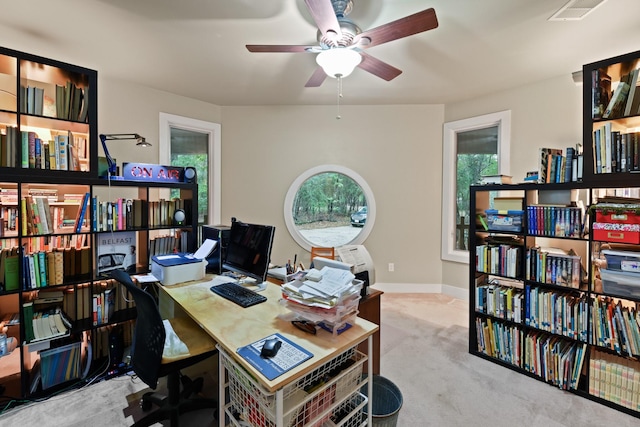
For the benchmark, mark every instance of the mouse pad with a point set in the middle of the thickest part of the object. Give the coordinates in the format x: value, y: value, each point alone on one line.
x: 289, y: 356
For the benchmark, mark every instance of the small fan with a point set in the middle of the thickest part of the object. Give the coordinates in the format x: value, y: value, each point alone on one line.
x: 340, y: 36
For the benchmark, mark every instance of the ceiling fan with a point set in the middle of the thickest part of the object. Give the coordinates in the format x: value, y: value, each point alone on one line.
x: 342, y: 41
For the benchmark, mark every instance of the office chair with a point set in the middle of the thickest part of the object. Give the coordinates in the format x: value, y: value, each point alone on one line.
x: 149, y: 364
x: 318, y: 251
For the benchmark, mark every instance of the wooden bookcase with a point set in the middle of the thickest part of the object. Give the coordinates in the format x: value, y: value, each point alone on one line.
x: 57, y: 249
x: 552, y: 302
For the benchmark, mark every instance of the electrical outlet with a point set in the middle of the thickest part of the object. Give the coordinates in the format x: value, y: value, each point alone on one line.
x: 392, y: 266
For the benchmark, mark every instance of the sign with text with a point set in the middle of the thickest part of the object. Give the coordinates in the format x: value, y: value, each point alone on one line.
x: 151, y: 173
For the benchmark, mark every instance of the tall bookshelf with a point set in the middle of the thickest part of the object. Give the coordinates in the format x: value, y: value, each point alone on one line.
x: 61, y: 232
x: 551, y: 296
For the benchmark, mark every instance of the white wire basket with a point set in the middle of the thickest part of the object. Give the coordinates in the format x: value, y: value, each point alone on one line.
x: 310, y: 401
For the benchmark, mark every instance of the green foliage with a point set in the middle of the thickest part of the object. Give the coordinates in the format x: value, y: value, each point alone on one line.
x: 198, y: 161
x: 470, y: 168
x: 327, y: 197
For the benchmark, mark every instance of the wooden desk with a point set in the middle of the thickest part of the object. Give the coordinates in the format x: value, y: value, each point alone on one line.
x: 233, y: 326
x: 370, y: 309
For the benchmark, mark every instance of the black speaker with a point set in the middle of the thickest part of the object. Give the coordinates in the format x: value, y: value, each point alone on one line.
x: 219, y: 233
x: 189, y: 175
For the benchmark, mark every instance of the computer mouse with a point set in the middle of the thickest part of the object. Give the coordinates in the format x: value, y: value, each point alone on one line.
x: 270, y: 348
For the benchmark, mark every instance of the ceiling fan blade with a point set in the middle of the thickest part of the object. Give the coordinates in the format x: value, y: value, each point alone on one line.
x: 317, y: 78
x: 325, y: 17
x: 378, y: 68
x: 403, y: 27
x: 278, y: 48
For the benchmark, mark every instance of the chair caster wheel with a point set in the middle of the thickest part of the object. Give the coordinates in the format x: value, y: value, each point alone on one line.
x: 145, y: 404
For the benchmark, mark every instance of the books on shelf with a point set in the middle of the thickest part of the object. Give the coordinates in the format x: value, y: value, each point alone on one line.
x: 556, y: 167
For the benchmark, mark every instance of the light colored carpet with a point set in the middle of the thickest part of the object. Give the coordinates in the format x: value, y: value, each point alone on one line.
x: 424, y: 352
x: 443, y: 385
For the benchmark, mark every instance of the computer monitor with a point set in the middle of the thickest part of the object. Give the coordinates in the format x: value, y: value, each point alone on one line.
x: 249, y: 251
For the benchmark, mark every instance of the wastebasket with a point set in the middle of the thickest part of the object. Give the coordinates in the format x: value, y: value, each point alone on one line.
x: 386, y: 404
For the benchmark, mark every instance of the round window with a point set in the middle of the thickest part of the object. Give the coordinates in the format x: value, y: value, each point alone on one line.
x: 329, y: 206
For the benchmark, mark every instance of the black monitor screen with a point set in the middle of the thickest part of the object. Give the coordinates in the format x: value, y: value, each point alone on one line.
x: 249, y: 249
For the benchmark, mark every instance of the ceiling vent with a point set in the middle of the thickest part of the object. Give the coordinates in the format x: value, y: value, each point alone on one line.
x: 575, y: 10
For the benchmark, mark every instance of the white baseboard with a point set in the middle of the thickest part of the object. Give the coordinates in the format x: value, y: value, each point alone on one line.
x: 427, y: 288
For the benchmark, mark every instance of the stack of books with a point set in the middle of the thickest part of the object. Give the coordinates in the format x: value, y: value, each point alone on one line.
x: 328, y: 297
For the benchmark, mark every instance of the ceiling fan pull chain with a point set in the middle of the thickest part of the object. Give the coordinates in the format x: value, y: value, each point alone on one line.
x: 338, y: 117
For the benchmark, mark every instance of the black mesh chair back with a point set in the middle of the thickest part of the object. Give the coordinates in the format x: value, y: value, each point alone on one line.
x: 149, y: 333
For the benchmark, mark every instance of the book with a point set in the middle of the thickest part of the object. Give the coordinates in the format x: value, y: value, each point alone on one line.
x: 618, y: 100
x: 82, y: 211
x: 288, y: 357
x: 633, y: 81
x: 496, y: 179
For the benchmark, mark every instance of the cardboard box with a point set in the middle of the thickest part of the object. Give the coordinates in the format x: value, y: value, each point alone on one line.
x: 622, y: 233
x: 617, y: 217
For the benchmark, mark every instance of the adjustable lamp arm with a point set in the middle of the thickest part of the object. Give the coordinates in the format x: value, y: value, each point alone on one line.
x: 119, y: 136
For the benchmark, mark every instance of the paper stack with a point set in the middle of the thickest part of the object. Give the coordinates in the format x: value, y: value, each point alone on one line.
x: 327, y: 297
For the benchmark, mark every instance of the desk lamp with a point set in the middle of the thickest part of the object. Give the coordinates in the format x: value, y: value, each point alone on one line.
x: 140, y: 140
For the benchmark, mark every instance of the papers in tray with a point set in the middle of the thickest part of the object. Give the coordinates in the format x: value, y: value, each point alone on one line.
x: 326, y: 289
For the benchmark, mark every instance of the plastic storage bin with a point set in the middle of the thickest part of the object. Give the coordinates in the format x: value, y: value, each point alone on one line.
x: 620, y: 283
x: 504, y: 220
x: 622, y: 260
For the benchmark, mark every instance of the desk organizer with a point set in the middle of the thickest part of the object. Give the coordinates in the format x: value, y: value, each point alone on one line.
x: 328, y: 396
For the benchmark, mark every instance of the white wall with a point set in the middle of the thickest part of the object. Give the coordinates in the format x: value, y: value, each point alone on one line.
x: 545, y: 114
x: 396, y: 149
x: 127, y: 108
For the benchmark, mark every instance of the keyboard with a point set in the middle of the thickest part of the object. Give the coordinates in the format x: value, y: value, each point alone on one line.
x: 237, y: 293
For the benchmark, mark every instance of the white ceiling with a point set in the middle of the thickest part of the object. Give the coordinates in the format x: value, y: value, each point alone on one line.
x: 196, y: 48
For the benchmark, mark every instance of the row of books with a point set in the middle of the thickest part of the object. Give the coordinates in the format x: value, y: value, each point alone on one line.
x: 500, y: 340
x: 557, y: 361
x: 70, y: 102
x: 168, y: 244
x: 60, y: 364
x: 55, y: 267
x: 8, y: 220
x: 615, y: 326
x: 615, y: 151
x: 63, y: 152
x: 554, y: 167
x: 554, y: 221
x: 100, y: 338
x: 104, y: 305
x: 498, y: 259
x: 40, y: 218
x: 26, y: 149
x: 8, y: 147
x: 45, y: 324
x: 129, y: 214
x: 553, y: 267
x: 615, y: 379
x: 556, y: 312
x: 504, y: 302
x: 78, y: 304
x: 43, y: 269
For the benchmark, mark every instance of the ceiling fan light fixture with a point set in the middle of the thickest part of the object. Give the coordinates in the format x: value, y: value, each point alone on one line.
x: 339, y: 61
